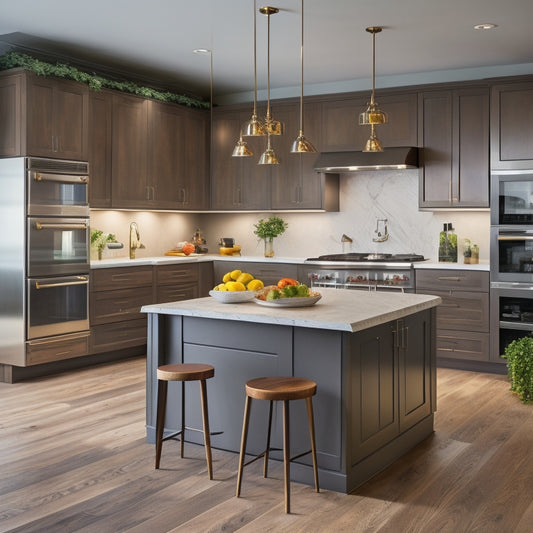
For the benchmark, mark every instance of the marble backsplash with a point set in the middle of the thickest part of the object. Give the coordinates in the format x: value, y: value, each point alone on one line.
x: 365, y: 197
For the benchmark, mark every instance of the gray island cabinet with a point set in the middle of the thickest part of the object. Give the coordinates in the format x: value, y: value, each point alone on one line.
x: 372, y: 355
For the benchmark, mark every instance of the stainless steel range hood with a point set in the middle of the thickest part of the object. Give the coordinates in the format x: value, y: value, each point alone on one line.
x: 390, y: 159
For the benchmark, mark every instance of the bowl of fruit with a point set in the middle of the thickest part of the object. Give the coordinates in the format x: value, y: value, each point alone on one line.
x: 236, y: 287
x: 287, y: 292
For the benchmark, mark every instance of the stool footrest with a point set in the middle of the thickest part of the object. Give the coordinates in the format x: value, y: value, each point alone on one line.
x: 176, y: 433
x: 262, y: 454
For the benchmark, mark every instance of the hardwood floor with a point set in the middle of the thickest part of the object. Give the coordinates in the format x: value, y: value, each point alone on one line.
x: 73, y: 457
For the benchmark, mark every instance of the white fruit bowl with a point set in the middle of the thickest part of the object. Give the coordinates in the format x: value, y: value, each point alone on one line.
x: 232, y: 297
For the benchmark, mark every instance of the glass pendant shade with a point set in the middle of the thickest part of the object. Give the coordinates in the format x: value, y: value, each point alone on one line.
x: 268, y: 157
x: 373, y: 144
x: 241, y: 150
x: 302, y: 146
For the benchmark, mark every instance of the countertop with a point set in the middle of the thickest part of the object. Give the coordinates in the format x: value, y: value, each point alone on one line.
x: 200, y: 258
x: 338, y: 309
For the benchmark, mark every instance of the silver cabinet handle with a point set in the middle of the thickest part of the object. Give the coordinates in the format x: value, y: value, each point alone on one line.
x: 59, y: 178
x: 515, y: 237
x: 46, y: 225
x: 81, y: 280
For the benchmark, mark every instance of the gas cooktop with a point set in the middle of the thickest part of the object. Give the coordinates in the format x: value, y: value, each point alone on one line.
x: 369, y: 257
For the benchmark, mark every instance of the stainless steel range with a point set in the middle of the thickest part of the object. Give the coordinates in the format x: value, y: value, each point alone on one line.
x: 368, y: 271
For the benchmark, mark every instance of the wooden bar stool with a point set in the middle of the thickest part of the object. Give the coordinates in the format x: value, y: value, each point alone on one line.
x: 279, y: 389
x: 182, y: 372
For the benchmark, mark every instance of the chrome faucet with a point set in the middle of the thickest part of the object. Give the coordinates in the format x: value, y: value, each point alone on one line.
x: 383, y: 234
x: 135, y: 239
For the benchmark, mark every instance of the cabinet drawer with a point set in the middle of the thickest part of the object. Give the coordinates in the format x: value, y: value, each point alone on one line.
x: 114, y: 306
x: 462, y: 310
x: 171, y: 274
x: 467, y: 280
x: 57, y: 348
x: 119, y: 335
x: 106, y: 279
x: 463, y: 345
x: 175, y: 293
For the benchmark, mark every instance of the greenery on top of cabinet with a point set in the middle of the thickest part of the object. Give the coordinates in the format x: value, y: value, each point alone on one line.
x: 94, y: 81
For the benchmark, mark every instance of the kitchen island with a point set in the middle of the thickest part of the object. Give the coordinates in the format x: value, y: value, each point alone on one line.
x: 372, y: 355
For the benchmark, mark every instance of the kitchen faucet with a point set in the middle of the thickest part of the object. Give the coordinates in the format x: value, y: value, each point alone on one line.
x: 135, y: 239
x: 383, y: 235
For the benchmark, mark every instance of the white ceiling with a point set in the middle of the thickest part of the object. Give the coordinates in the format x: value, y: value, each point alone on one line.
x: 423, y: 41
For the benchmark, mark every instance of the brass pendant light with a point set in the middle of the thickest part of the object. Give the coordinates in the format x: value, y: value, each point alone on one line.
x: 273, y: 127
x: 241, y: 150
x: 301, y: 145
x: 373, y: 115
x: 254, y: 127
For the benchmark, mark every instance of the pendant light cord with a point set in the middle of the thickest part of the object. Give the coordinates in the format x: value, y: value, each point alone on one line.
x: 255, y: 59
x: 268, y: 67
x: 302, y: 74
x: 373, y: 66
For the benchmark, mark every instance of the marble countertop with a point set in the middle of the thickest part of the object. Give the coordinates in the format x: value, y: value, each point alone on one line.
x: 338, y: 309
x: 200, y: 258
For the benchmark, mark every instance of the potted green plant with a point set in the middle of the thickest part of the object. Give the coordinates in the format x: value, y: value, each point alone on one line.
x: 267, y: 230
x: 519, y: 355
x: 99, y: 239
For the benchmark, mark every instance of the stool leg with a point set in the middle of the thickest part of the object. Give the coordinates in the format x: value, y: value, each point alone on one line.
x: 267, y: 449
x: 182, y: 436
x: 247, y: 405
x: 286, y: 456
x: 207, y: 434
x: 160, y: 418
x: 311, y: 419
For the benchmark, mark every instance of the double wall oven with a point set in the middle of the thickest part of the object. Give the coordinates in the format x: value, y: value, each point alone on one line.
x: 511, y: 260
x: 45, y: 265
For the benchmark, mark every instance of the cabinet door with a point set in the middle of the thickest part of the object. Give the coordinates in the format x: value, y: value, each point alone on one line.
x: 100, y: 121
x: 10, y: 107
x: 471, y: 148
x: 295, y: 184
x: 373, y: 373
x: 512, y: 126
x: 436, y: 130
x: 342, y: 132
x: 129, y: 141
x: 413, y: 340
x: 57, y: 115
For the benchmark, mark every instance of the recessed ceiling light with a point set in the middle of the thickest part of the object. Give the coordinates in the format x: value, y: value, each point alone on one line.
x: 485, y: 26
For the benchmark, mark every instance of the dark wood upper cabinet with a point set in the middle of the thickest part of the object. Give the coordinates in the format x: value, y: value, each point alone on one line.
x: 46, y: 117
x: 342, y: 132
x: 454, y: 134
x: 178, y: 157
x: 100, y: 140
x: 512, y: 126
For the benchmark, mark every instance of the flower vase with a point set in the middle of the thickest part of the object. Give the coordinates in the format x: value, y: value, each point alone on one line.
x: 269, y: 247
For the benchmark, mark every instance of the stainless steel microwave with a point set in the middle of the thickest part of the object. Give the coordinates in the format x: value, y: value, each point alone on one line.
x: 511, y: 198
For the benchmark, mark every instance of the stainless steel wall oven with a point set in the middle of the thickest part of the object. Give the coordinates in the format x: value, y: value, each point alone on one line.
x: 44, y: 271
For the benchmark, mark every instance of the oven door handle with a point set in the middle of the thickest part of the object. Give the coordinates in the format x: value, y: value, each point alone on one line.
x: 59, y: 225
x: 81, y: 280
x: 60, y: 178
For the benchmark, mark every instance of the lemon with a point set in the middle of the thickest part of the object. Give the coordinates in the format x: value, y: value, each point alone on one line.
x: 221, y: 287
x: 227, y: 277
x: 235, y: 274
x: 255, y: 285
x: 235, y: 286
x: 245, y: 278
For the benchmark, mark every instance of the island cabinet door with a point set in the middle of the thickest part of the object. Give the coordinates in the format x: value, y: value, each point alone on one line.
x: 371, y: 387
x: 239, y: 351
x: 413, y: 341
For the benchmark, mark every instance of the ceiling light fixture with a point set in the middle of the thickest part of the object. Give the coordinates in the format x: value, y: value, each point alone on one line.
x: 485, y: 26
x: 373, y: 116
x: 301, y: 145
x: 273, y: 127
x: 254, y: 127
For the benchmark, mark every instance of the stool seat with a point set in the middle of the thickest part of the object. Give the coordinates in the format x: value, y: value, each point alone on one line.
x: 185, y: 372
x: 280, y: 388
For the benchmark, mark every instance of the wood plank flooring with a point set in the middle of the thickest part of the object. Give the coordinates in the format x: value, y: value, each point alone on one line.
x: 73, y: 457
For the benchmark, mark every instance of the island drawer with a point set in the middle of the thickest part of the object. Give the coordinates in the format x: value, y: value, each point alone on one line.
x: 442, y: 279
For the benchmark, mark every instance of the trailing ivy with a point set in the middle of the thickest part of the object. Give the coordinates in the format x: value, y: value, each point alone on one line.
x: 94, y: 81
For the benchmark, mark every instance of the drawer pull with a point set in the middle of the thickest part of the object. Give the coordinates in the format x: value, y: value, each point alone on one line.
x: 449, y: 278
